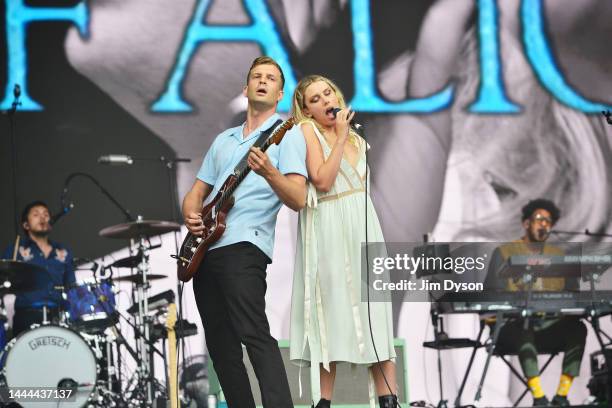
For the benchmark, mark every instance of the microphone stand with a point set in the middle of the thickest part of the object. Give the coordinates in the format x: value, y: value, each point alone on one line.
x: 13, y: 149
x: 170, y: 164
x: 125, y: 211
x: 171, y: 171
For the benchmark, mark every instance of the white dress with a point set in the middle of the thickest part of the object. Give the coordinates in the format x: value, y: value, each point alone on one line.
x: 329, y: 320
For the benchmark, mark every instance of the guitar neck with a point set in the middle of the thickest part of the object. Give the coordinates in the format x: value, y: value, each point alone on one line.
x: 275, y: 138
x: 172, y: 369
x: 245, y: 172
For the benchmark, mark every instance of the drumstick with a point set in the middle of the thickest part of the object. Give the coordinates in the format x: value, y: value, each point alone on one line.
x: 16, y: 247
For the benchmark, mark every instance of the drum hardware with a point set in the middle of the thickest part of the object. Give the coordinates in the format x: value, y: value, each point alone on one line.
x: 109, y: 384
x: 114, y: 335
x: 139, y: 232
x: 170, y: 164
x: 135, y: 386
x: 45, y: 315
x: 138, y: 334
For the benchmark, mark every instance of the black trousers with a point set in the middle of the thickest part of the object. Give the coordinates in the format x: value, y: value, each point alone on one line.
x: 567, y: 334
x: 230, y: 289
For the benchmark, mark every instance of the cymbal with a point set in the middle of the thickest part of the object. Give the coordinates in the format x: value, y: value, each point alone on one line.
x: 139, y: 229
x: 18, y: 276
x: 138, y: 278
x: 131, y: 261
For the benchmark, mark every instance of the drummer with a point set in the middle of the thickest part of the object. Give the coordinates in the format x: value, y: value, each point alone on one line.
x: 55, y: 258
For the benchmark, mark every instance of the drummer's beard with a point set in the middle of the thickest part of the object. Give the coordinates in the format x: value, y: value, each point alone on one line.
x: 42, y: 232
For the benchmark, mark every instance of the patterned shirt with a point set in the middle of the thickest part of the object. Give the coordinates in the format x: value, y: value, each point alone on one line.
x: 60, y: 272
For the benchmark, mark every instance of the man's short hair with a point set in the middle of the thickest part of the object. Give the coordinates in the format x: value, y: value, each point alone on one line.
x: 265, y: 60
x: 541, y: 204
x: 28, y: 208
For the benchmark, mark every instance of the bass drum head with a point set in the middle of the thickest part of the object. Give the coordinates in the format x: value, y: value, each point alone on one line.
x: 46, y: 355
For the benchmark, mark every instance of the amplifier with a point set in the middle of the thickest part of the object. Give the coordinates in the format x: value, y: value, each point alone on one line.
x: 600, y: 384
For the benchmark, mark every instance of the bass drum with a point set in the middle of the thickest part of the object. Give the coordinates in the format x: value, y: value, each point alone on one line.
x: 51, y: 357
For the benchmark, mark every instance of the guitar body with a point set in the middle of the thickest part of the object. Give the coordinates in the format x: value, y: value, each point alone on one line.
x: 214, y: 215
x: 194, y: 247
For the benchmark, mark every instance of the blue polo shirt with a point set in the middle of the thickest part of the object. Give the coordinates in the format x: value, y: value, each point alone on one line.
x: 59, y: 266
x: 253, y: 217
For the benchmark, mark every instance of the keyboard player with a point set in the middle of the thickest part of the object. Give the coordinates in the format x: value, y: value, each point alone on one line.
x: 567, y: 333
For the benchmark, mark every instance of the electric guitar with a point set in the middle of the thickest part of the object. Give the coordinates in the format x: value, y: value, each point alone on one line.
x: 172, y: 373
x: 214, y: 215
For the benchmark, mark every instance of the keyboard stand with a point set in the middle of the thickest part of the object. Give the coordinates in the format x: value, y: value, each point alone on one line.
x: 500, y: 322
x: 476, y: 346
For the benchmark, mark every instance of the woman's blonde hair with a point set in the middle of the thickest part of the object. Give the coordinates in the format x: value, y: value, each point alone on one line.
x: 299, y: 103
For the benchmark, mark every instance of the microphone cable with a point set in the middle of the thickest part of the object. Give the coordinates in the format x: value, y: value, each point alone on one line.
x: 361, y: 133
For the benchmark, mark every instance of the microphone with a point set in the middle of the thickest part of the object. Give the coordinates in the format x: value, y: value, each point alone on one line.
x: 16, y: 102
x: 116, y: 160
x: 608, y: 116
x: 544, y: 233
x: 60, y: 214
x: 354, y: 124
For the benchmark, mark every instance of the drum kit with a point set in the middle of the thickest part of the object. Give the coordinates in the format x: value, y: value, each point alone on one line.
x: 83, y: 349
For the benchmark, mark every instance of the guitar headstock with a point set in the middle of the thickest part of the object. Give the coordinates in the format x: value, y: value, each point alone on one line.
x: 279, y: 133
x: 171, y: 316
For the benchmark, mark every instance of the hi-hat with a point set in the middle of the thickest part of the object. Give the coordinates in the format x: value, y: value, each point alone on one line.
x: 18, y: 276
x: 139, y: 229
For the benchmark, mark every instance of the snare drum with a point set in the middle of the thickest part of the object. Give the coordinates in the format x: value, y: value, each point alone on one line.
x: 51, y: 357
x: 92, y: 306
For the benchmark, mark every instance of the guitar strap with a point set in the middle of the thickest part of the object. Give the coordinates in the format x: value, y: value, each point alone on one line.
x: 260, y: 140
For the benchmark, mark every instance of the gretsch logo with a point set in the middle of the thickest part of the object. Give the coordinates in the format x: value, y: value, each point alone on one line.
x: 49, y: 341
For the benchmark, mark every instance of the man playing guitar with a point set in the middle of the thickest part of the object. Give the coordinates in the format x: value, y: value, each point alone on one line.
x: 230, y: 284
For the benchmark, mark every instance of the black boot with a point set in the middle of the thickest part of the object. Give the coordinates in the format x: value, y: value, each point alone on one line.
x: 323, y: 403
x: 559, y: 401
x: 540, y: 402
x: 388, y: 401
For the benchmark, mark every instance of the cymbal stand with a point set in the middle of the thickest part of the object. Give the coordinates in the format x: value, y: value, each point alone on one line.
x: 143, y: 323
x: 135, y: 388
x: 439, y: 334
